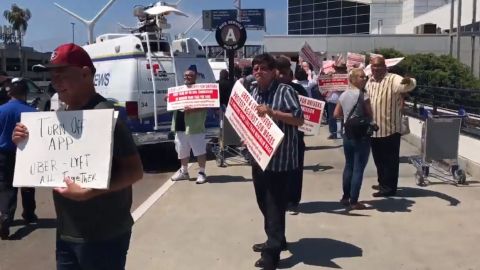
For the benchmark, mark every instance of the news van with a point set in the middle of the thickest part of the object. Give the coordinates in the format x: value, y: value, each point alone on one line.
x: 134, y: 70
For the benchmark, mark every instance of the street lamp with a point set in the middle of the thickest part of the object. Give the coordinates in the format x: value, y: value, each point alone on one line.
x: 73, y: 32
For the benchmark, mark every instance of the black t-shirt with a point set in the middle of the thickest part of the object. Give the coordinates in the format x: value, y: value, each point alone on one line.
x: 106, y: 216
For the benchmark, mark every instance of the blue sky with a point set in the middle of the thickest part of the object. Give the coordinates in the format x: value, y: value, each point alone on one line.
x: 49, y: 26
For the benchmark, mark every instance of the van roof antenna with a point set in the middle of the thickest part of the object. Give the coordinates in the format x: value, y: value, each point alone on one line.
x: 90, y: 24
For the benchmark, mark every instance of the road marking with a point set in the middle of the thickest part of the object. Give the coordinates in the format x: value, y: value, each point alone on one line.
x: 143, y: 208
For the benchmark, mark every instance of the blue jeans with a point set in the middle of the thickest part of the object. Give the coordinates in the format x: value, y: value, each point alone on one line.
x: 356, y: 158
x: 104, y: 255
x: 332, y: 122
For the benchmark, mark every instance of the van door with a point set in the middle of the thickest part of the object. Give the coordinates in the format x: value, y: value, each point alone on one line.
x: 164, y: 78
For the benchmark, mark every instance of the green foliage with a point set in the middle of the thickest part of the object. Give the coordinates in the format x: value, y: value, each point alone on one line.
x: 433, y: 70
x: 18, y: 17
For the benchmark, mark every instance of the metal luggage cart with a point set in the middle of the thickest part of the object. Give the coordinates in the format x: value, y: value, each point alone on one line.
x: 439, y: 144
x: 228, y: 149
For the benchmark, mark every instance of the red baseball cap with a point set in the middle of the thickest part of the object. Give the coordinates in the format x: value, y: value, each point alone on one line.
x: 67, y: 55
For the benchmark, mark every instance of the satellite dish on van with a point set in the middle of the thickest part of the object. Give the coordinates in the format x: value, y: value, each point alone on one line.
x: 163, y: 10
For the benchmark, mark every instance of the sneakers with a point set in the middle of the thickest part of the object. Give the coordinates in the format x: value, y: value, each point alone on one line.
x: 179, y: 175
x: 201, y: 178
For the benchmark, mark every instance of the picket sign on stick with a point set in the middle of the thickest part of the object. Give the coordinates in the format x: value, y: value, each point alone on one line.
x: 74, y: 144
x: 333, y: 82
x: 201, y: 95
x: 355, y: 60
x: 312, y: 112
x: 260, y: 134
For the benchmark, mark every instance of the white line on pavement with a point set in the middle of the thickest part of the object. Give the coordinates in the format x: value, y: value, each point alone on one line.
x: 143, y: 208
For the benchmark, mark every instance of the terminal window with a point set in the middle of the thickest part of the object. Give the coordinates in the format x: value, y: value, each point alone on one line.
x: 333, y: 17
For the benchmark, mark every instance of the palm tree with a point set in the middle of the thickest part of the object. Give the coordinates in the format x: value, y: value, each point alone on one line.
x: 18, y: 18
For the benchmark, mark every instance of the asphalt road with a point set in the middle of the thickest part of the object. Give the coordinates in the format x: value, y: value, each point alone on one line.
x: 33, y: 246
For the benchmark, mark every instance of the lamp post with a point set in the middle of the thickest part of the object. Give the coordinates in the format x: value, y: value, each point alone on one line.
x: 73, y: 32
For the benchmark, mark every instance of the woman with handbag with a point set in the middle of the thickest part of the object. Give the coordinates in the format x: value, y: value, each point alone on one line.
x: 354, y: 106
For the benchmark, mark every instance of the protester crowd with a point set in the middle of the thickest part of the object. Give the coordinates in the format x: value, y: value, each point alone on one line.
x: 366, y: 116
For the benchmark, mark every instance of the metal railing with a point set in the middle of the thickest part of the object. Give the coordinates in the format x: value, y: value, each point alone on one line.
x: 447, y: 101
x: 448, y: 98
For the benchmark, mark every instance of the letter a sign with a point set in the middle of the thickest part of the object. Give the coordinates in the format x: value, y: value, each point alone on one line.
x: 231, y: 35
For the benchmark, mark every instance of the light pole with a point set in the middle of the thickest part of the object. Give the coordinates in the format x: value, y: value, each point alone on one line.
x: 73, y: 32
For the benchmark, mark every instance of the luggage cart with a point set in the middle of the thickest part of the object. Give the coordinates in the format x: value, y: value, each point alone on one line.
x: 439, y: 143
x: 228, y: 149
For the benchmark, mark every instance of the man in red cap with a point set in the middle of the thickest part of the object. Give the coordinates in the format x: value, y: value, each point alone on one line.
x: 94, y: 226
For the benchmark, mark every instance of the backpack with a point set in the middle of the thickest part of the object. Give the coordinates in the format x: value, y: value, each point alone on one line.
x: 358, y: 126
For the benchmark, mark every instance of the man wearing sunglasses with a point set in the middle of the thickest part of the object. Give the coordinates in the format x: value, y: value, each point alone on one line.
x: 280, y: 102
x: 16, y: 89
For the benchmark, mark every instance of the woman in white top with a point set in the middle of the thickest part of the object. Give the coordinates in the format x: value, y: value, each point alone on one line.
x: 356, y: 150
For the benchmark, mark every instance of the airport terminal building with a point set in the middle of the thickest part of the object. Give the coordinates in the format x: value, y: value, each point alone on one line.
x: 410, y: 26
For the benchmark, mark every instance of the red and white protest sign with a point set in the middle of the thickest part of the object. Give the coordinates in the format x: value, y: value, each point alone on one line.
x: 311, y: 57
x: 388, y: 62
x: 202, y: 95
x: 260, y: 134
x: 355, y: 60
x: 333, y: 82
x: 327, y: 66
x: 312, y: 113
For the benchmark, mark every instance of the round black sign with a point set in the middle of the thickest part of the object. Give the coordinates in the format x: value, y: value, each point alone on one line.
x: 231, y: 35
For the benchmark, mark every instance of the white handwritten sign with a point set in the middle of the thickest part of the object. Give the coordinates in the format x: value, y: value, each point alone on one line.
x: 333, y: 82
x: 261, y: 135
x: 75, y: 144
x: 202, y: 95
x: 312, y: 113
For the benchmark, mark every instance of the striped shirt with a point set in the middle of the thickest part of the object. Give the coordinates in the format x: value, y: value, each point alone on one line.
x: 386, y: 99
x: 282, y: 97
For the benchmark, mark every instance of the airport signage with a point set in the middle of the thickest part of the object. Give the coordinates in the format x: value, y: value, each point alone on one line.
x: 312, y: 114
x: 68, y: 144
x: 231, y: 35
x: 252, y: 19
x: 260, y: 134
x: 201, y: 95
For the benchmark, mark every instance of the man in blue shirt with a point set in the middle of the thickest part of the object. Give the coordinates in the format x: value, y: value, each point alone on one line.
x: 9, y: 116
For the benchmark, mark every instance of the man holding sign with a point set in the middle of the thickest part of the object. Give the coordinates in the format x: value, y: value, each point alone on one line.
x: 94, y: 226
x: 189, y: 127
x: 280, y: 102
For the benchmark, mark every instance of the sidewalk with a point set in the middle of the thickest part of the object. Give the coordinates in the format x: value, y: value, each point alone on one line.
x: 213, y: 226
